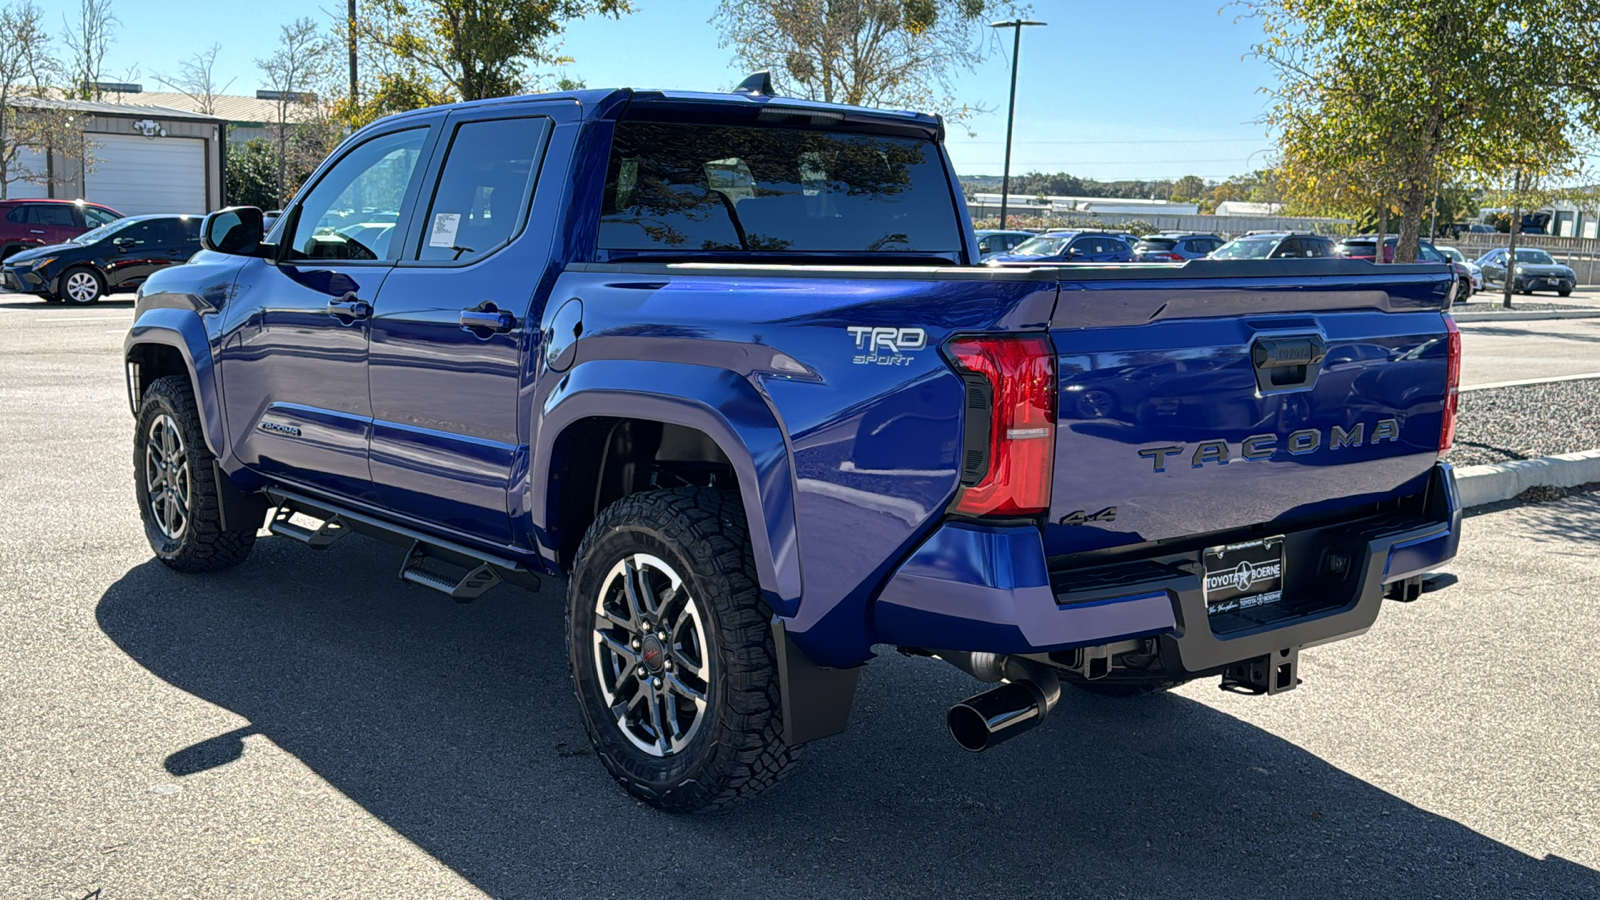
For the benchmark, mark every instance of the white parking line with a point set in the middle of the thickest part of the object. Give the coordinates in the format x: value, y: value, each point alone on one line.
x: 1529, y: 381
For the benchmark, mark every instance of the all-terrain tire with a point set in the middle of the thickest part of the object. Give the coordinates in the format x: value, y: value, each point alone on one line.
x: 736, y: 750
x: 169, y: 419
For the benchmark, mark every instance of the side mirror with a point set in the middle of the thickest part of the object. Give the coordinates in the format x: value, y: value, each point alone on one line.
x: 1075, y: 251
x: 237, y: 230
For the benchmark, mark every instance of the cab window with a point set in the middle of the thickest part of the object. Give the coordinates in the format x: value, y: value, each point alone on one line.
x: 484, y: 189
x: 351, y: 212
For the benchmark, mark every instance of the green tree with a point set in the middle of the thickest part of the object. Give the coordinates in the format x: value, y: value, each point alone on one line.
x: 901, y: 54
x: 1378, y: 101
x: 252, y: 174
x: 467, y: 49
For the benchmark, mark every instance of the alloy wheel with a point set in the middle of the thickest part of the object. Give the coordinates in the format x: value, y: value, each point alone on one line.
x: 650, y: 654
x: 81, y: 287
x: 166, y: 475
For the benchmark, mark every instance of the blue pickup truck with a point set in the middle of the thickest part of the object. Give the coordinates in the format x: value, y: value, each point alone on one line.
x: 728, y: 365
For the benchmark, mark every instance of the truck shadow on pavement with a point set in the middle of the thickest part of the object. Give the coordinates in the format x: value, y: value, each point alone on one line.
x: 456, y: 727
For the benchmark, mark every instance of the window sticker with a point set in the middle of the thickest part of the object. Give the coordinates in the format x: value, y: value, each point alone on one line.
x: 444, y: 230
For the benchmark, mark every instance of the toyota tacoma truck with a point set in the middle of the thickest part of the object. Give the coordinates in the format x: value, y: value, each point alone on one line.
x: 728, y: 365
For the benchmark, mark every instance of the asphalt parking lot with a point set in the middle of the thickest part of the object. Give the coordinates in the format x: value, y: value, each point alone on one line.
x: 308, y: 725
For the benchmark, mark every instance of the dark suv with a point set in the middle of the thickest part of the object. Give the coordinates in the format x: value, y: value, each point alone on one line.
x: 25, y: 224
x: 115, y: 257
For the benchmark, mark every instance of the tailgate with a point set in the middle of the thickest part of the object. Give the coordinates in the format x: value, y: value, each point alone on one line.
x: 1192, y: 407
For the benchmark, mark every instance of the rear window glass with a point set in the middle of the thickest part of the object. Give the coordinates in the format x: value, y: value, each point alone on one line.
x: 1148, y: 244
x: 677, y: 187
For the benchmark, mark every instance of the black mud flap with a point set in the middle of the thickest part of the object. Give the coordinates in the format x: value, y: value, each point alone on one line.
x: 237, y: 508
x: 816, y: 699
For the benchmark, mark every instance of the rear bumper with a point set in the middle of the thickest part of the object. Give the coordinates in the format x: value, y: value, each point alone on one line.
x: 972, y: 587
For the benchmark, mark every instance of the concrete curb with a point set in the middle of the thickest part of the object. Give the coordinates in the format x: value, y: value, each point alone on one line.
x: 1463, y: 317
x: 1480, y: 485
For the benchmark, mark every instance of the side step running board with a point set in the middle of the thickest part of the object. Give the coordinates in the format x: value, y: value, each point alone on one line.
x: 427, y: 561
x: 464, y: 589
x: 321, y: 538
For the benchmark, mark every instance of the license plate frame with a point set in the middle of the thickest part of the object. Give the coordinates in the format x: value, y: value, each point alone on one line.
x: 1242, y: 575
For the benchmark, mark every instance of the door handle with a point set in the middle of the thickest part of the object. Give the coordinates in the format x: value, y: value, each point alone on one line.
x: 487, y: 319
x: 34, y: 231
x: 351, y: 308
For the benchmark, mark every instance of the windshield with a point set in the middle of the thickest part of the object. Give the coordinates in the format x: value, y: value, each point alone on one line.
x: 1453, y: 253
x: 685, y: 187
x: 1259, y: 248
x: 95, y: 235
x: 1536, y: 257
x: 1043, y: 245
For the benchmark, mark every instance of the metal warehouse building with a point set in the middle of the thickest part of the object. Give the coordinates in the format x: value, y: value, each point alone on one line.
x: 143, y: 159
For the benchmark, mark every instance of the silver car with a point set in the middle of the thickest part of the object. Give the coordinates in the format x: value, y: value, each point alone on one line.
x: 1460, y: 259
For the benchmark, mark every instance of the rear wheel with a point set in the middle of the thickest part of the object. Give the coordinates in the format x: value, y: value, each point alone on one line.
x: 173, y: 480
x: 82, y: 285
x: 1565, y: 293
x: 672, y: 654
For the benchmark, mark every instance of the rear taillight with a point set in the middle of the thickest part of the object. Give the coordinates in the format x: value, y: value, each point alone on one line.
x: 1452, y: 396
x: 1010, y: 442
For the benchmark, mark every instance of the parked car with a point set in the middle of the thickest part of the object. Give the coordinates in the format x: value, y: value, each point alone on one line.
x: 740, y: 525
x: 1175, y: 247
x: 1474, y: 271
x: 26, y: 224
x: 1366, y: 247
x: 1068, y: 247
x: 1276, y: 245
x: 992, y: 241
x: 115, y: 257
x: 1534, y: 270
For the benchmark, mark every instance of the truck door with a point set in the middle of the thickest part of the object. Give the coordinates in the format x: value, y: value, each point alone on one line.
x: 294, y: 358
x: 453, y: 330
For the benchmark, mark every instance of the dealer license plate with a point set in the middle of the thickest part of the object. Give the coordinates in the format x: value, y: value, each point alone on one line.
x: 1240, y: 576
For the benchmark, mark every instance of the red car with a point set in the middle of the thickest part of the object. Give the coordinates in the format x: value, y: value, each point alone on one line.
x: 25, y: 224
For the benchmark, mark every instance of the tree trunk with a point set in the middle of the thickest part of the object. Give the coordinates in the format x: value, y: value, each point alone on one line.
x: 1511, y: 258
x: 1412, y: 204
x: 1383, y: 232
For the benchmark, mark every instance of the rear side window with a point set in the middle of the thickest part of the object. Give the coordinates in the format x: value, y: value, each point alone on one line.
x: 18, y: 215
x: 484, y: 188
x: 682, y: 187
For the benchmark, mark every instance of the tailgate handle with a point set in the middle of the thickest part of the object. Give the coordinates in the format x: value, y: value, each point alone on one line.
x: 1287, y: 363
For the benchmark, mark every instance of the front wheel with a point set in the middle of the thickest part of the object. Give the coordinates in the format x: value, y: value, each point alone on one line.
x: 173, y: 480
x: 672, y: 651
x: 82, y: 285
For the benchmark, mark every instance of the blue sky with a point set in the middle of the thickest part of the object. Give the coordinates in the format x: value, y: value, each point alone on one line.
x: 1158, y: 89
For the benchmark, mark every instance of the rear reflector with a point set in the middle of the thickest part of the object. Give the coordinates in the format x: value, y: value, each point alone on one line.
x: 1452, y: 397
x: 1007, y: 460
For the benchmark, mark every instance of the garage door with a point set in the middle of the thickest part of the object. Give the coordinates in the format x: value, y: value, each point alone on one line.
x: 135, y: 175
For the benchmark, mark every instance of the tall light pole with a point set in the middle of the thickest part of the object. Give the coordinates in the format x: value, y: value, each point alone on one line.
x: 1011, y: 106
